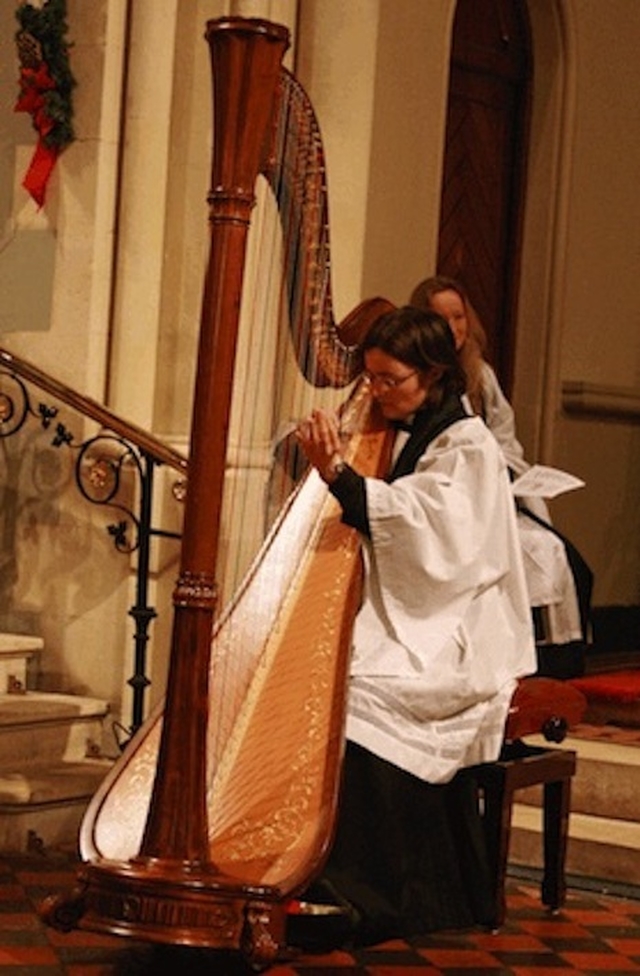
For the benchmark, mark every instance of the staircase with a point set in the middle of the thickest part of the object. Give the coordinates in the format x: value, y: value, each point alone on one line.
x: 604, y: 825
x: 50, y: 754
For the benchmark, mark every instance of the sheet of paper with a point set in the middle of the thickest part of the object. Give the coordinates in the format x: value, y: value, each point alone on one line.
x: 541, y: 481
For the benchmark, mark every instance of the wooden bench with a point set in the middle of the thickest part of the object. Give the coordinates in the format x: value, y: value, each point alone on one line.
x: 539, y: 706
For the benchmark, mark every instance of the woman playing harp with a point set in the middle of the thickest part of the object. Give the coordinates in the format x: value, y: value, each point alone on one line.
x: 442, y: 635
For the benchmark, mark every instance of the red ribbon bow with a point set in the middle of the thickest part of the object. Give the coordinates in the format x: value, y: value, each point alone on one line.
x: 34, y: 83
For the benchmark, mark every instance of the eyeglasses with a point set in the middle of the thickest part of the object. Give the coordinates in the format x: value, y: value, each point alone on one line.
x: 386, y: 382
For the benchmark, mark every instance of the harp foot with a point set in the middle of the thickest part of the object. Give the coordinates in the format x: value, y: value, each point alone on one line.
x: 197, y: 908
x: 262, y: 936
x: 64, y: 911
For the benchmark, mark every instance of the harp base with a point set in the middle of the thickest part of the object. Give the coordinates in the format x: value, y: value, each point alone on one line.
x: 198, y: 908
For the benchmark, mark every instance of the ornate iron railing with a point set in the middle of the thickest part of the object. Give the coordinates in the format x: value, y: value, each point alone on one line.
x: 103, y: 465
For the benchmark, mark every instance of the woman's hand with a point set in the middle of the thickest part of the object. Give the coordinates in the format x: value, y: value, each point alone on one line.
x: 319, y: 438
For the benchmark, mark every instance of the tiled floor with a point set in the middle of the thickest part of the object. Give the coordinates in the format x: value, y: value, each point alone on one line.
x: 594, y: 934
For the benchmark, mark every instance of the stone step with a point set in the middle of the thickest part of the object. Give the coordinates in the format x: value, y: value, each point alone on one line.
x: 17, y: 652
x: 51, y: 759
x: 50, y: 726
x: 42, y: 805
x: 604, y: 825
x: 606, y: 783
x: 598, y: 848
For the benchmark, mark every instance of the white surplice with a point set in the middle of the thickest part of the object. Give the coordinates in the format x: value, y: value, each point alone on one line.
x: 549, y: 577
x: 445, y: 625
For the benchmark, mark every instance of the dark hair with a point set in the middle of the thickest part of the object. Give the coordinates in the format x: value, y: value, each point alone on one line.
x: 421, y: 339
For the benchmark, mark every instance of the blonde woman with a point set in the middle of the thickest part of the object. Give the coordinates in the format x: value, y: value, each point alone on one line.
x: 551, y: 576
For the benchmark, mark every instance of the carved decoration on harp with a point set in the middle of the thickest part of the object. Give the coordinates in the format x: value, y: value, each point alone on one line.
x: 327, y: 352
x: 221, y: 807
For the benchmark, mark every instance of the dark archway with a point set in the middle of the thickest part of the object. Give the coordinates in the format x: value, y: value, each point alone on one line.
x: 485, y: 164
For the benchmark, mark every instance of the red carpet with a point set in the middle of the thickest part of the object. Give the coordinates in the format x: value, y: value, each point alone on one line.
x: 616, y: 686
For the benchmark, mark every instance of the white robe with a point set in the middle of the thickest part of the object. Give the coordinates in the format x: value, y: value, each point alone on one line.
x: 445, y: 626
x: 549, y: 578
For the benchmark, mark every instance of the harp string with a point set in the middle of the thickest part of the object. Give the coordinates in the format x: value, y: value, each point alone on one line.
x: 280, y: 374
x: 255, y: 385
x: 294, y: 347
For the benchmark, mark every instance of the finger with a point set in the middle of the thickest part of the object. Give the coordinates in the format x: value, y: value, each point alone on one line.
x: 329, y: 430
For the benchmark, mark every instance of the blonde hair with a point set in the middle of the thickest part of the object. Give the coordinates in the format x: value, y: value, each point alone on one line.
x: 471, y: 353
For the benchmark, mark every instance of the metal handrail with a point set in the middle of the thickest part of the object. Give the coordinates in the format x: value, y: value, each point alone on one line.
x: 101, y: 461
x: 152, y: 447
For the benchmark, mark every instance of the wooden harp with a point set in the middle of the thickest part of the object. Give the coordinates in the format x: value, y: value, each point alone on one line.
x: 221, y: 807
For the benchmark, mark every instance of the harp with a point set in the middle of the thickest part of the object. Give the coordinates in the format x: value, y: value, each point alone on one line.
x: 221, y: 807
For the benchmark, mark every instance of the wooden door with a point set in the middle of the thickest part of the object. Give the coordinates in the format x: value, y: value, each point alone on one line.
x: 484, y: 164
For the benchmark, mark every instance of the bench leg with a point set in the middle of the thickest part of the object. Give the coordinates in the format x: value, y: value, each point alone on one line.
x: 557, y: 799
x: 498, y: 803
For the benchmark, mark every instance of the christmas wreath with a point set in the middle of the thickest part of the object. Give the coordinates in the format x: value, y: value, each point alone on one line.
x: 46, y: 84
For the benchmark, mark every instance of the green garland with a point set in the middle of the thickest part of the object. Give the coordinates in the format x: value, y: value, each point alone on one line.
x: 42, y: 45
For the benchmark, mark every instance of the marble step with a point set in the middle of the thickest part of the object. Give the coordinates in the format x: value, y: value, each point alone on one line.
x: 42, y: 805
x: 604, y: 825
x: 599, y: 848
x: 51, y: 764
x: 49, y: 727
x: 17, y: 653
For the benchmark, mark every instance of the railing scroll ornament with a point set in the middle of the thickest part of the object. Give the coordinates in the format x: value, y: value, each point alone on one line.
x: 113, y: 468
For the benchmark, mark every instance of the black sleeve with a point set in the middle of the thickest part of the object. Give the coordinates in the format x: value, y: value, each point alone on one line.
x: 348, y: 488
